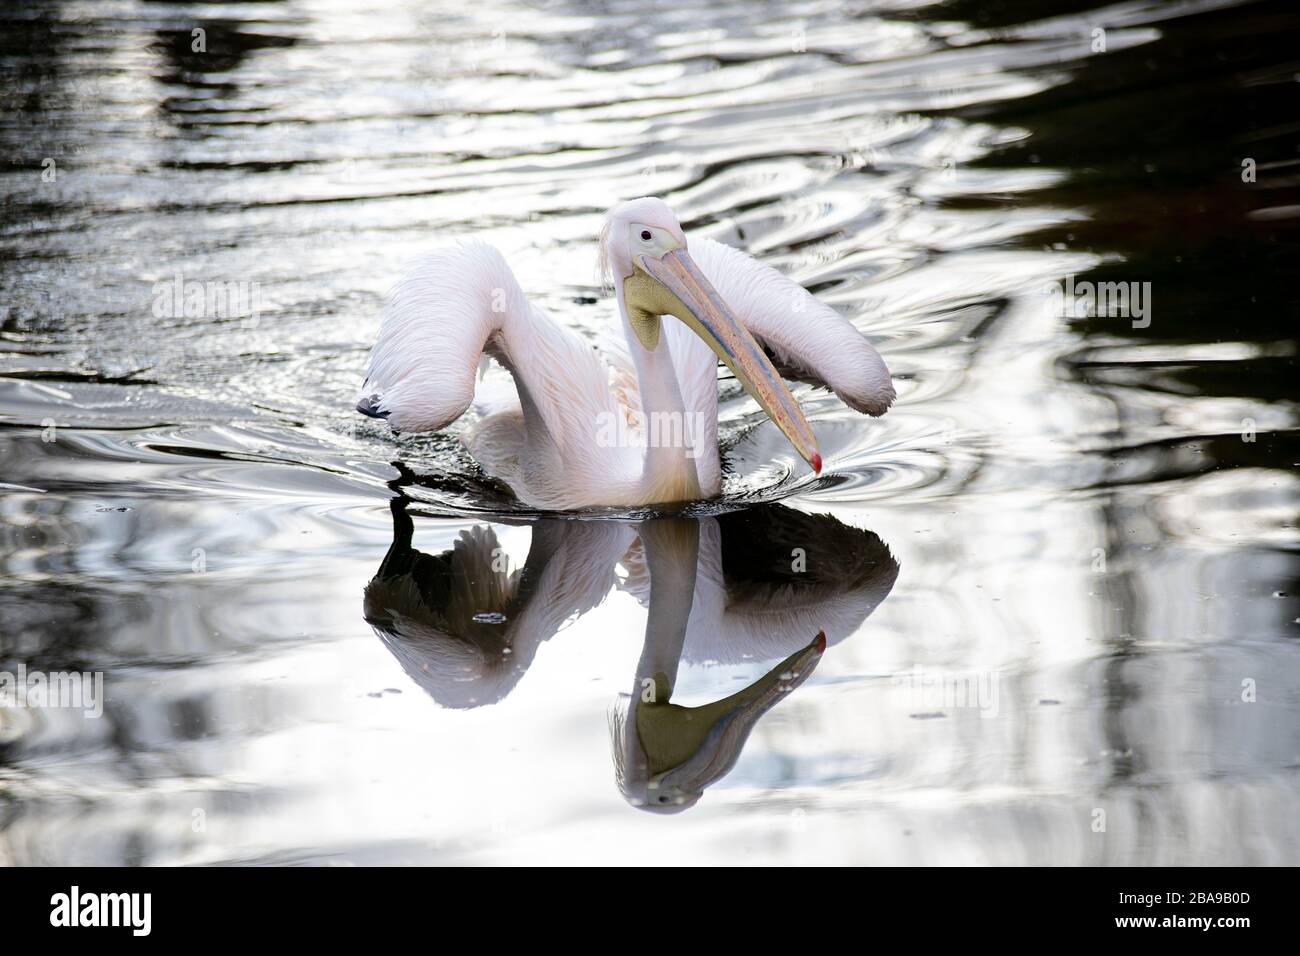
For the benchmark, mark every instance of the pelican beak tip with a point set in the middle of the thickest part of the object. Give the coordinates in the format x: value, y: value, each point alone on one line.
x: 820, y: 642
x: 816, y: 463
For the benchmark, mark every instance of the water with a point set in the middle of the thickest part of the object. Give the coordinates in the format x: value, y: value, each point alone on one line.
x: 1057, y: 581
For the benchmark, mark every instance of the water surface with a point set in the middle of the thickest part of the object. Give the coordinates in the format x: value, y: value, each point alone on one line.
x: 308, y: 654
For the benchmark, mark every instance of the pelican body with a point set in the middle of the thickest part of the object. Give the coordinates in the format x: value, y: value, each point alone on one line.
x: 634, y: 422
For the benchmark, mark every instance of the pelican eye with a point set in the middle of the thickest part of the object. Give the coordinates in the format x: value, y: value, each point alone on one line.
x: 645, y: 235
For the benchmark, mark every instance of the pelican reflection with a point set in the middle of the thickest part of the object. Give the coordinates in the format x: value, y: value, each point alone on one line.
x: 769, y: 584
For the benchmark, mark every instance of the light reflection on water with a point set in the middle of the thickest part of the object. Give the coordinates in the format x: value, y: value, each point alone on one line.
x: 1075, y: 521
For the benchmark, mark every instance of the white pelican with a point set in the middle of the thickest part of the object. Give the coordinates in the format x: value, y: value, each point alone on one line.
x: 636, y: 424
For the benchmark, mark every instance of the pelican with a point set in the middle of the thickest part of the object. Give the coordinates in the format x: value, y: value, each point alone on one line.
x: 635, y: 422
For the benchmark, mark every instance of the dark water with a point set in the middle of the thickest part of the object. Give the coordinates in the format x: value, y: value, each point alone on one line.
x: 1057, y: 582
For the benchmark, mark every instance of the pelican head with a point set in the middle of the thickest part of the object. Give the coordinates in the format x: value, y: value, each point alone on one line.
x: 644, y: 249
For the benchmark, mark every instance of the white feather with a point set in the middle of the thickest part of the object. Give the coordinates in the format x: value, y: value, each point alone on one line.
x: 547, y: 437
x: 803, y: 332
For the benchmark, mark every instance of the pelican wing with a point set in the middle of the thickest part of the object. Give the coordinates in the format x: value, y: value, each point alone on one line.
x: 452, y: 308
x: 807, y: 339
x: 435, y: 326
